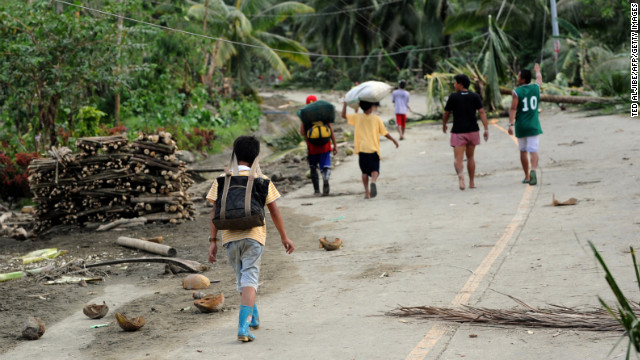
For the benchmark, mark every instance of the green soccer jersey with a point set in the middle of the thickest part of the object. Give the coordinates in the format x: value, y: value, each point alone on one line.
x: 527, y: 122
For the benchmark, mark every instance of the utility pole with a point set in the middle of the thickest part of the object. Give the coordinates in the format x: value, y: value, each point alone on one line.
x: 118, y: 69
x: 555, y: 33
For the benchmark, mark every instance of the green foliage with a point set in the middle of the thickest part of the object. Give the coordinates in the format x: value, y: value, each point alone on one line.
x: 88, y: 121
x: 625, y: 314
x: 322, y: 75
x: 291, y: 139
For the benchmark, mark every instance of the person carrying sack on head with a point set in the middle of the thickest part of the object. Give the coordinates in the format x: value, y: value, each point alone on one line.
x: 319, y: 151
x: 238, y: 199
x: 368, y: 128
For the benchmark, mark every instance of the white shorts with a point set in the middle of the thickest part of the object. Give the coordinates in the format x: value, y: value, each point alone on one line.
x: 529, y: 143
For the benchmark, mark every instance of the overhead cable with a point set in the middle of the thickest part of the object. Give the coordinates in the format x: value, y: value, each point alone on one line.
x: 264, y: 47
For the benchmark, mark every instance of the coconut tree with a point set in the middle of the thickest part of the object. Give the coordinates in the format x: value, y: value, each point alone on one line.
x: 244, y: 37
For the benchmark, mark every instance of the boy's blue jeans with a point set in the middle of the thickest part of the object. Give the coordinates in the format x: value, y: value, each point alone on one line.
x: 244, y: 256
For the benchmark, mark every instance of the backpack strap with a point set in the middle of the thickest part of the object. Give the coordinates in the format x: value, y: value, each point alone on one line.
x: 255, y: 171
x: 228, y: 172
x: 225, y: 191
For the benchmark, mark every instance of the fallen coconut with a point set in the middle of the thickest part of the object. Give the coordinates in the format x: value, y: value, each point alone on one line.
x: 33, y: 328
x: 96, y: 311
x: 195, y: 282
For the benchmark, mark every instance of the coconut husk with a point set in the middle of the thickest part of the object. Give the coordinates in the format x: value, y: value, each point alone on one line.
x: 571, y: 201
x: 96, y: 311
x: 195, y: 282
x: 210, y: 303
x: 330, y: 245
x: 33, y: 328
x: 130, y: 324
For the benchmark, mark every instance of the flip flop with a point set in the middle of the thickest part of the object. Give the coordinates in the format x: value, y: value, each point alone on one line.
x: 532, y: 178
x: 374, y: 190
x: 525, y: 181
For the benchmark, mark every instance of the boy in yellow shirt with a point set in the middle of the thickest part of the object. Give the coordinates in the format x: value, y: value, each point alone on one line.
x: 245, y: 247
x: 367, y: 131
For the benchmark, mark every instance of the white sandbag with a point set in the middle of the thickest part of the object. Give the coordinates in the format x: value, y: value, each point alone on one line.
x: 371, y: 91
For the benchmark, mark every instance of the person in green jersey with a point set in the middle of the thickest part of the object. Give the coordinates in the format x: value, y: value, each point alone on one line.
x: 524, y: 114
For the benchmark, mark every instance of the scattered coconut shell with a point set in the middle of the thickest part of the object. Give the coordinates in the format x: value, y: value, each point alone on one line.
x: 131, y: 324
x: 571, y: 201
x: 96, y: 311
x: 210, y: 303
x: 33, y: 328
x: 195, y: 282
x: 330, y: 245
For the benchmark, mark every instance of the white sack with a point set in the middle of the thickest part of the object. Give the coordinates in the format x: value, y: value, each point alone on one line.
x: 372, y: 91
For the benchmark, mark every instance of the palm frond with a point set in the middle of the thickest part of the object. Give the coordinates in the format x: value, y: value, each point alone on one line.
x: 278, y: 42
x: 276, y: 14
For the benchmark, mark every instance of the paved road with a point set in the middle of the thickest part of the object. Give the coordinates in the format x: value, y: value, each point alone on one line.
x: 424, y: 242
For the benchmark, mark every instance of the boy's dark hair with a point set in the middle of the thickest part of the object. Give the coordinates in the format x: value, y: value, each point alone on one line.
x: 402, y: 84
x: 525, y: 75
x: 463, y: 80
x: 246, y: 148
x: 366, y: 105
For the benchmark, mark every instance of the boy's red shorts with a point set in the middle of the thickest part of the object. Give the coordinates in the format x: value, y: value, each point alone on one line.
x: 401, y: 120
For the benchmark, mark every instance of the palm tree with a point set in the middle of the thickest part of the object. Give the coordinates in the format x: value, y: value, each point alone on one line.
x: 244, y: 37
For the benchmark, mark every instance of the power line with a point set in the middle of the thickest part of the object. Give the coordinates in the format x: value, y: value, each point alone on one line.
x: 258, y: 46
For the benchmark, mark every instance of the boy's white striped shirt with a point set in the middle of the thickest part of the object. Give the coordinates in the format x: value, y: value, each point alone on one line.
x: 259, y: 233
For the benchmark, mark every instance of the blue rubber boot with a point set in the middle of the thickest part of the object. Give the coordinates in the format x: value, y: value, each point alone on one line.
x: 244, y: 334
x: 255, y: 318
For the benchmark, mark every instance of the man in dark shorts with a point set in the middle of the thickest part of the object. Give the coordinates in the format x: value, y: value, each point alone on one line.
x: 465, y: 133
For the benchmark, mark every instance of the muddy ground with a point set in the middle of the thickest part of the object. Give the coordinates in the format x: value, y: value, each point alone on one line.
x: 22, y: 298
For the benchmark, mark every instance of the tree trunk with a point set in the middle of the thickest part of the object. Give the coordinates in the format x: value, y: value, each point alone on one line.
x: 47, y: 117
x: 212, y: 65
x: 566, y: 99
x: 444, y: 6
x: 117, y: 100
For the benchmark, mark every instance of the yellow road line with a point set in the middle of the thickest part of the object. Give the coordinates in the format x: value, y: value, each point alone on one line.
x: 439, y: 329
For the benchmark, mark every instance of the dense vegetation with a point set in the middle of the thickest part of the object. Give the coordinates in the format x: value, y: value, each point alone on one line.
x: 71, y: 68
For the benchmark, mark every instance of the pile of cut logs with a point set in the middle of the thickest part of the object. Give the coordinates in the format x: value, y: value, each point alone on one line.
x: 159, y: 180
x: 111, y: 179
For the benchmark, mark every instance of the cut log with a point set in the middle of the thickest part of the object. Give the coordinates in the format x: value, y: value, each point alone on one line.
x: 147, y: 246
x: 120, y: 222
x: 567, y: 99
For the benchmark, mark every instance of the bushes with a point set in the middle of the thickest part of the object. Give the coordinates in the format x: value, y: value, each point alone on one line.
x: 14, y: 181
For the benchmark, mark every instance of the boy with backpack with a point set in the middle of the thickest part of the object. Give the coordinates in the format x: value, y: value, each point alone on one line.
x: 368, y: 128
x: 245, y: 246
x: 319, y: 138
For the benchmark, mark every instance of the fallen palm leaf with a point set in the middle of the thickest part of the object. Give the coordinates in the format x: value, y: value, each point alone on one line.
x: 571, y: 201
x: 554, y: 317
x: 19, y: 274
x: 72, y: 280
x: 43, y: 254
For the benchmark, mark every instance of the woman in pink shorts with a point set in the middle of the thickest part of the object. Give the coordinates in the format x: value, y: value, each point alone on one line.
x: 465, y: 133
